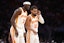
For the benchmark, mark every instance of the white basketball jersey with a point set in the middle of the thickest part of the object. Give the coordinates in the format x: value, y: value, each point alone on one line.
x: 34, y: 23
x: 20, y: 21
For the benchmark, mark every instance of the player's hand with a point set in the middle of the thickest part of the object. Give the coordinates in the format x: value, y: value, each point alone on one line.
x: 35, y: 32
x: 16, y: 33
x: 39, y: 12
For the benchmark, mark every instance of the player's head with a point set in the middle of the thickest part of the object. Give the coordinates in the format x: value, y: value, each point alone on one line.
x: 27, y: 5
x: 34, y: 10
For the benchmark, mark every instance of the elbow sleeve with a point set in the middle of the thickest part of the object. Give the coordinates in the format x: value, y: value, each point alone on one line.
x: 41, y: 19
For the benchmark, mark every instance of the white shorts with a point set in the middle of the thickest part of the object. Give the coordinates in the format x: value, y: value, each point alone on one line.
x: 32, y: 38
x: 19, y: 38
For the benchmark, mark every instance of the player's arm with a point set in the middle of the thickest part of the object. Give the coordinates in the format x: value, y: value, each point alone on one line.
x: 27, y: 24
x: 40, y: 18
x: 16, y: 13
x: 28, y: 21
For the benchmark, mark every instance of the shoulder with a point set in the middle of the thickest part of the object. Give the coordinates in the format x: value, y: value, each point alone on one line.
x: 29, y: 17
x: 18, y: 9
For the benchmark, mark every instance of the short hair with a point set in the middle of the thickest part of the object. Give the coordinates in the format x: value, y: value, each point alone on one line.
x: 33, y: 7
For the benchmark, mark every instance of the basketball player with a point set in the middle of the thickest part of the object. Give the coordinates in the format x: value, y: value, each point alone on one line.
x: 32, y: 25
x: 18, y: 20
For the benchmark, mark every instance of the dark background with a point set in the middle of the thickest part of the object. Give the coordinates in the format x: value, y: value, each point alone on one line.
x: 52, y: 11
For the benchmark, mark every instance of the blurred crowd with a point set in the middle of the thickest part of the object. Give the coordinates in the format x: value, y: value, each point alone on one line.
x: 52, y: 12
